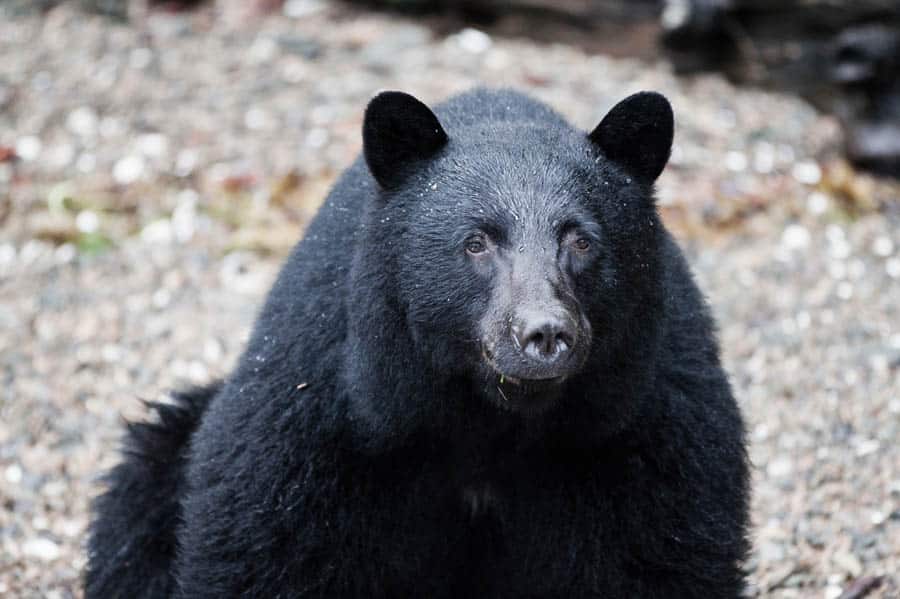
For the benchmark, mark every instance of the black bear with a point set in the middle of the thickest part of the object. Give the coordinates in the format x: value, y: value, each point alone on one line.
x: 485, y: 371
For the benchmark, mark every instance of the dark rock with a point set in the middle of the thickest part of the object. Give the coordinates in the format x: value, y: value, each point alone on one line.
x: 843, y: 56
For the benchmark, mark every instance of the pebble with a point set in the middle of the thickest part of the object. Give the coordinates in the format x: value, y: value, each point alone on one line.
x: 808, y: 173
x: 184, y: 221
x: 83, y: 122
x: 848, y: 562
x: 41, y: 548
x: 129, y: 169
x: 7, y: 254
x: 257, y: 119
x: 158, y: 232
x: 780, y: 467
x: 833, y: 592
x: 867, y: 447
x: 86, y: 163
x: 263, y: 50
x: 892, y: 268
x: 795, y: 237
x: 13, y: 474
x: 883, y: 246
x: 186, y: 162
x: 298, y: 9
x: 817, y: 203
x: 140, y: 58
x: 473, y: 41
x: 152, y: 145
x: 736, y: 161
x: 87, y: 221
x: 28, y: 148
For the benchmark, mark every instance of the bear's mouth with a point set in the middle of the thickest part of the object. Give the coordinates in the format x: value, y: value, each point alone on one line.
x: 534, y: 381
x: 526, y: 395
x: 529, y: 382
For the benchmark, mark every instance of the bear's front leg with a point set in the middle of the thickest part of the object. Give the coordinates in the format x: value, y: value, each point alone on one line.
x: 330, y: 530
x: 630, y: 527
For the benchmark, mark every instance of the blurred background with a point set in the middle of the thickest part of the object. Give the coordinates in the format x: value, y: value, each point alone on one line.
x: 159, y: 158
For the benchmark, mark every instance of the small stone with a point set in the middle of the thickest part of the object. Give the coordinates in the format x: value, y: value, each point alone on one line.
x: 473, y: 41
x: 161, y: 298
x: 848, y: 562
x: 883, y: 247
x: 186, y: 162
x: 807, y: 172
x: 83, y: 122
x: 795, y: 237
x: 839, y: 248
x: 7, y: 254
x: 152, y: 145
x: 263, y: 50
x: 86, y: 163
x: 817, y: 203
x: 13, y: 474
x: 297, y: 9
x: 111, y: 353
x: 867, y: 447
x: 158, y: 232
x: 780, y: 467
x: 317, y: 137
x: 764, y: 158
x: 184, y: 221
x: 892, y: 268
x: 41, y: 548
x: 140, y: 58
x: 257, y: 119
x: 736, y: 161
x: 128, y: 169
x: 770, y: 552
x: 878, y: 518
x: 87, y: 221
x: 28, y: 148
x: 213, y: 352
x: 197, y: 372
x: 844, y: 290
x: 833, y: 592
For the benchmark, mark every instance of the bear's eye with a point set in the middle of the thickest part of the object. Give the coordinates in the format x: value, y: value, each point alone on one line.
x: 475, y: 245
x: 582, y: 244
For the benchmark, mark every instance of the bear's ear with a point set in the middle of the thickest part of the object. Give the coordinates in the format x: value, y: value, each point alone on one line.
x: 398, y: 132
x: 637, y: 134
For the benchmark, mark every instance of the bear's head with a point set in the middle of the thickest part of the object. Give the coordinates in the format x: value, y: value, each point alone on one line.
x: 525, y: 251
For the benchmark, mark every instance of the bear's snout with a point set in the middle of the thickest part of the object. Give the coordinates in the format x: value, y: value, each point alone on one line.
x: 542, y: 342
x: 544, y: 337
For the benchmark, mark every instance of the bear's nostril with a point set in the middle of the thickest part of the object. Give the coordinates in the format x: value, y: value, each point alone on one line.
x: 563, y: 342
x: 544, y: 338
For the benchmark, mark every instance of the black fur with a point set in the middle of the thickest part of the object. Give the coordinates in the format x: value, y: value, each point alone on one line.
x: 638, y: 133
x: 367, y: 444
x: 398, y: 133
x: 133, y: 543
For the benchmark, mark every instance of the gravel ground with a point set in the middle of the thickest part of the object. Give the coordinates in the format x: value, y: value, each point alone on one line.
x: 153, y: 176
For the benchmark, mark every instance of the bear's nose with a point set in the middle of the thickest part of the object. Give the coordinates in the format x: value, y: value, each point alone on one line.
x: 544, y: 337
